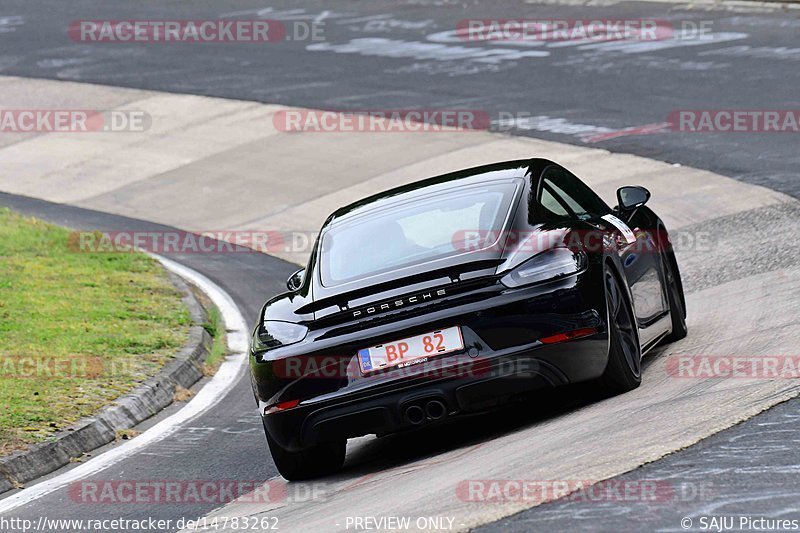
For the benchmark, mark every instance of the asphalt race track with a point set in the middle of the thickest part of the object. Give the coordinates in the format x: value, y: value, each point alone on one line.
x: 394, y: 54
x: 743, y: 288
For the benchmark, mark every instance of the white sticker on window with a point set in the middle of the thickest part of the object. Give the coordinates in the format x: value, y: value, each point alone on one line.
x: 630, y: 238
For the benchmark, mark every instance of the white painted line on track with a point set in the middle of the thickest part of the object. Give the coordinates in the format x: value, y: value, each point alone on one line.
x: 213, y: 391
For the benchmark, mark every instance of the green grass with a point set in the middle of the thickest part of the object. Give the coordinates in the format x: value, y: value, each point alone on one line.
x: 55, y: 303
x: 216, y: 329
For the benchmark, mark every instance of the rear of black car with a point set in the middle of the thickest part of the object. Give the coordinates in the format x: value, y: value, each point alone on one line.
x: 379, y: 339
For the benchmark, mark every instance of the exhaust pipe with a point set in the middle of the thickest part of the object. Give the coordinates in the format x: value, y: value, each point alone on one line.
x: 435, y: 410
x: 414, y: 415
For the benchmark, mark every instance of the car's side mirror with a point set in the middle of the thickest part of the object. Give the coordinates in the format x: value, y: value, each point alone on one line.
x: 631, y: 197
x: 295, y: 281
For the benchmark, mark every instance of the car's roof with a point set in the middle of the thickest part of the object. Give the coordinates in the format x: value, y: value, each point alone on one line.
x: 471, y: 176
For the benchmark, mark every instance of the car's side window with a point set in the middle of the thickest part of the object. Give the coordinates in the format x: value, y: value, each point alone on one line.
x: 550, y: 203
x: 568, y: 191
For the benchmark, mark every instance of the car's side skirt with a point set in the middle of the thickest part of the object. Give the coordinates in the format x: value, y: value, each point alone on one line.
x: 657, y: 330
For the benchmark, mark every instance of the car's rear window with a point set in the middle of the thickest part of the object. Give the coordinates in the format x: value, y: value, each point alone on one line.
x: 419, y: 231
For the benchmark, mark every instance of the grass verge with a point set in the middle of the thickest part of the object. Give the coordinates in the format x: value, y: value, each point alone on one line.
x: 219, y: 349
x: 77, y: 329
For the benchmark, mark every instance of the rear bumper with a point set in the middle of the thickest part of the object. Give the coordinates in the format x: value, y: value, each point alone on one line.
x: 502, y: 357
x: 485, y: 385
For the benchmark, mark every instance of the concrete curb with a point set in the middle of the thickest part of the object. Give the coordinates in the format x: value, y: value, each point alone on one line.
x: 147, y: 399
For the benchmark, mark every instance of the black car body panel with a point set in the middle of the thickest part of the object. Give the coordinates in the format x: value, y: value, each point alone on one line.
x: 313, y: 390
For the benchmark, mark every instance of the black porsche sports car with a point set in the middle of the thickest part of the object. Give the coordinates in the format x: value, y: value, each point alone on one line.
x: 457, y: 294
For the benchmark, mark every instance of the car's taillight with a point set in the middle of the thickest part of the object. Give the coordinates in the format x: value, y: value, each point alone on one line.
x: 276, y: 333
x: 551, y: 264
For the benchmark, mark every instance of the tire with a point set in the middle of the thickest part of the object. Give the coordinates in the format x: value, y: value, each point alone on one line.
x: 677, y: 312
x: 318, y: 461
x: 623, y: 372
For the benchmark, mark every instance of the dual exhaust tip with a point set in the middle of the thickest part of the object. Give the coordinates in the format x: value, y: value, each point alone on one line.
x: 416, y: 414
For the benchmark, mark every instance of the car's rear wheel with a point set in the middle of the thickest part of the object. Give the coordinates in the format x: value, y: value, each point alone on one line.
x: 624, y: 369
x: 674, y: 297
x: 318, y: 461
